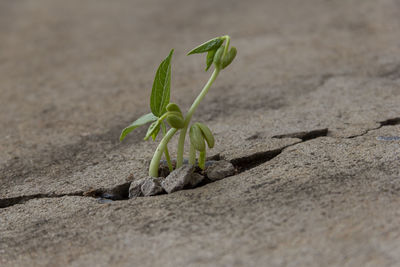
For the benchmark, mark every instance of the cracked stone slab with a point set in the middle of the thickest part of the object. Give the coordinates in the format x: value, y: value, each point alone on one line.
x: 246, y: 151
x: 43, y: 155
x: 319, y: 192
x: 66, y: 96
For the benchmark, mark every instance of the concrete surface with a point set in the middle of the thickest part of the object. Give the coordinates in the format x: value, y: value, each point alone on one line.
x: 74, y: 73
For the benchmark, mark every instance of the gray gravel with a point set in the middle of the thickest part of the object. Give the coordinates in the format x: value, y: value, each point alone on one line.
x: 219, y: 170
x: 135, y: 189
x: 179, y: 179
x: 151, y: 187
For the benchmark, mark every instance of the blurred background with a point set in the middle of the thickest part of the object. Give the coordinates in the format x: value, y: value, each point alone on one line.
x: 79, y: 68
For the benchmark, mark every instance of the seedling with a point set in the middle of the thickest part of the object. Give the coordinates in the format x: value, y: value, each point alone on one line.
x: 219, y: 54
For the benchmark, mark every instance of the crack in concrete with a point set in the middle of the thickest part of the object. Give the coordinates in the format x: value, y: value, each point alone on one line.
x: 7, y: 202
x: 392, y: 72
x: 252, y: 161
x: 305, y: 135
x: 121, y: 191
x: 388, y: 122
x: 118, y: 192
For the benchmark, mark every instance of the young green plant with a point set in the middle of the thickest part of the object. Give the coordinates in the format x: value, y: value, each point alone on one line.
x: 218, y: 53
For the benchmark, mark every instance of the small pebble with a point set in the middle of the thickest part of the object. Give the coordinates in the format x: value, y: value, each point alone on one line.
x: 196, y: 179
x: 135, y: 189
x: 178, y: 179
x: 151, y: 187
x: 219, y: 170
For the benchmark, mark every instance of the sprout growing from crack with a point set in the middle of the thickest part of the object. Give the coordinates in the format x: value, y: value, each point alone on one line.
x: 219, y: 54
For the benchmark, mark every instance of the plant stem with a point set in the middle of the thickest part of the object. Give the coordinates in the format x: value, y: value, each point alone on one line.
x: 192, y: 155
x: 163, y: 117
x: 202, y: 160
x: 155, y: 161
x: 167, y: 157
x: 182, y: 136
x: 227, y: 39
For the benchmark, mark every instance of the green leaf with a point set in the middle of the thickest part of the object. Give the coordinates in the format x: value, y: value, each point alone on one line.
x: 154, y: 127
x: 218, y: 56
x: 207, y: 46
x: 208, y: 136
x: 173, y: 107
x: 139, y: 122
x: 161, y: 87
x: 230, y: 56
x: 210, y: 58
x: 155, y: 133
x: 197, y: 138
x: 175, y: 120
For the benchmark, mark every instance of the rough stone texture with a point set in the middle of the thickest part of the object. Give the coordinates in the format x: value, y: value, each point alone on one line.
x: 74, y: 73
x: 195, y: 180
x: 135, y: 189
x: 219, y: 170
x: 179, y: 179
x: 151, y: 187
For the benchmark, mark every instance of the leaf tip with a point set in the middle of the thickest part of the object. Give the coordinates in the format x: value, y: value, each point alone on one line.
x: 122, y: 136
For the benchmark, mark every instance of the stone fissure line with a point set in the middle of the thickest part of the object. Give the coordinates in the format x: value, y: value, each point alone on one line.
x: 388, y: 122
x: 120, y: 192
x: 7, y: 202
x: 304, y: 136
x: 252, y: 161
